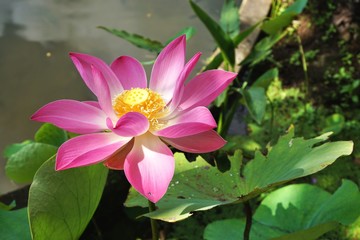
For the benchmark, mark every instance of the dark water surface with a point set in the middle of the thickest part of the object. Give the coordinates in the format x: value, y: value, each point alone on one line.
x: 37, y: 35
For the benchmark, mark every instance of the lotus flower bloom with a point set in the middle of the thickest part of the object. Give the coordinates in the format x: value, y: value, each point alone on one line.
x: 132, y: 124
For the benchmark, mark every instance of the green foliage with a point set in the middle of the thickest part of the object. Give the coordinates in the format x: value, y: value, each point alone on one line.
x: 188, y: 31
x: 14, y: 148
x: 222, y: 39
x: 278, y: 23
x: 14, y: 224
x: 22, y: 165
x: 266, y: 78
x: 216, y: 61
x: 7, y: 207
x: 198, y: 186
x: 193, y: 227
x: 262, y: 49
x: 312, y: 211
x: 25, y: 158
x: 61, y: 203
x: 49, y: 134
x: 137, y: 40
x: 229, y: 18
x: 255, y: 101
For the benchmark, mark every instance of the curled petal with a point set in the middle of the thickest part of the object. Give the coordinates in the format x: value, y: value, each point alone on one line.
x: 117, y: 159
x: 130, y: 125
x: 179, y: 89
x: 83, y: 63
x: 103, y: 95
x: 187, y: 123
x: 88, y: 149
x: 73, y: 116
x: 130, y: 72
x: 167, y: 68
x: 205, y: 87
x: 200, y: 143
x: 149, y: 167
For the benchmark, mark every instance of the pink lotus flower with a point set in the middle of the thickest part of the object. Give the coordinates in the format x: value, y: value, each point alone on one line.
x: 132, y: 124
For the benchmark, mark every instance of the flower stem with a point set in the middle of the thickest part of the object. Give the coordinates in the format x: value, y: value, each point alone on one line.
x: 304, y: 65
x: 248, y: 212
x: 154, y: 227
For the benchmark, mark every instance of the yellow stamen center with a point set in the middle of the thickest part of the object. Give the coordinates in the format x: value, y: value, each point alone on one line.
x: 144, y: 101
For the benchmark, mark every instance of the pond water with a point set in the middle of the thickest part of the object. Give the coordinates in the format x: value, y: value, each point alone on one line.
x: 37, y: 35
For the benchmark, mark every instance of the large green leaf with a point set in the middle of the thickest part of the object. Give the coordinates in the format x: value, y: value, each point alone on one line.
x: 50, y: 134
x: 22, y: 165
x: 135, y: 39
x: 61, y: 203
x: 233, y: 229
x: 199, y: 186
x: 14, y: 225
x: 222, y: 39
x: 311, y: 211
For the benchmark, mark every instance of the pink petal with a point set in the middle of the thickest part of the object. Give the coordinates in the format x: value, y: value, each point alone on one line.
x: 130, y: 125
x: 93, y: 103
x: 167, y: 68
x: 130, y: 72
x: 103, y: 95
x: 192, y: 122
x: 88, y: 149
x: 149, y: 167
x: 179, y: 89
x: 205, y: 87
x: 73, y: 116
x: 117, y: 159
x: 83, y: 64
x: 200, y: 143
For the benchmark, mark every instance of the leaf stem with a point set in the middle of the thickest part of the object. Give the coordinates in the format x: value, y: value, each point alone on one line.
x: 154, y: 227
x: 304, y: 65
x: 248, y: 213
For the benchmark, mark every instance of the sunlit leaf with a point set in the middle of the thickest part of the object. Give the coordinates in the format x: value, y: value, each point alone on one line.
x: 334, y: 123
x: 50, y: 134
x: 297, y: 7
x: 61, y: 203
x: 22, y: 165
x: 223, y: 40
x: 299, y: 211
x: 278, y: 23
x: 135, y: 39
x: 14, y: 148
x: 14, y: 225
x: 243, y: 142
x: 199, y: 186
x: 284, y: 19
x: 229, y: 18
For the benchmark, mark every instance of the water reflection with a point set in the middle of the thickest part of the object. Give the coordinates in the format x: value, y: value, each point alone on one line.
x: 36, y: 36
